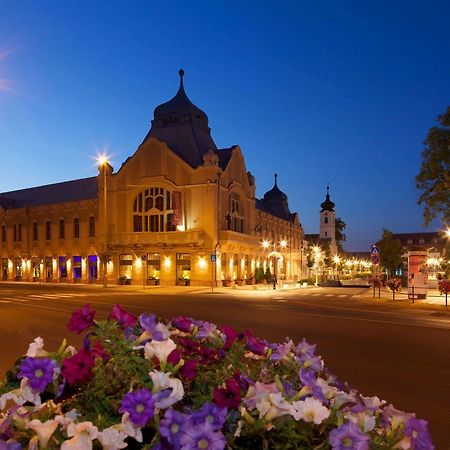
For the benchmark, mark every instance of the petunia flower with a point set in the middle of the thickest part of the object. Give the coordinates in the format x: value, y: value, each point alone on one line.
x: 310, y: 410
x: 153, y: 329
x: 228, y: 396
x: 28, y: 394
x: 124, y: 318
x: 38, y: 371
x: 282, y: 351
x: 202, y: 436
x: 417, y: 431
x: 182, y: 323
x: 82, y: 435
x: 259, y: 392
x: 206, y: 330
x: 254, y: 344
x: 304, y: 350
x: 81, y: 319
x: 161, y: 382
x: 140, y: 405
x: 36, y: 349
x: 78, y: 368
x: 43, y: 430
x: 160, y: 349
x: 10, y: 444
x: 189, y: 369
x: 128, y: 427
x: 172, y: 425
x: 272, y: 406
x: 348, y: 437
x: 209, y: 412
x: 112, y: 439
x: 229, y: 336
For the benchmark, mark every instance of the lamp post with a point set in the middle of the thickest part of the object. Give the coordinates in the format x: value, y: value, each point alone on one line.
x: 102, y: 164
x: 317, y: 255
x: 276, y: 256
x: 336, y: 260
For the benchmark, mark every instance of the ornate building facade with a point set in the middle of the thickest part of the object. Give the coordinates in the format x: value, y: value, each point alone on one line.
x: 178, y: 211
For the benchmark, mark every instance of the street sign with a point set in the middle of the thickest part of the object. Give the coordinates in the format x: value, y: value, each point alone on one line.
x: 144, y: 257
x: 375, y: 250
x: 213, y: 257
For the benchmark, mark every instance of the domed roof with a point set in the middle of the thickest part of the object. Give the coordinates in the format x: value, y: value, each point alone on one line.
x: 327, y: 205
x: 183, y: 127
x: 275, y: 192
x: 275, y: 202
x: 179, y: 109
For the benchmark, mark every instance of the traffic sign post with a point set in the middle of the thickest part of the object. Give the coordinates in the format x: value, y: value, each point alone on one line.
x: 375, y: 259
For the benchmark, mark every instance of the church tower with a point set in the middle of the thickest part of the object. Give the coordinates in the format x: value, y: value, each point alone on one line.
x: 327, y: 222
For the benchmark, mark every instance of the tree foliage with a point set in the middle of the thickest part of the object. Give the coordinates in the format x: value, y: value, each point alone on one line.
x: 434, y: 176
x: 340, y: 226
x: 390, y: 251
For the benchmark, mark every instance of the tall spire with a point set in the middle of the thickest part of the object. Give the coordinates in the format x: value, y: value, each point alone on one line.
x: 181, y: 73
x: 327, y: 205
x: 275, y: 175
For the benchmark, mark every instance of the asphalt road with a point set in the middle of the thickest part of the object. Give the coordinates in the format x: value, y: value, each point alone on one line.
x: 399, y: 353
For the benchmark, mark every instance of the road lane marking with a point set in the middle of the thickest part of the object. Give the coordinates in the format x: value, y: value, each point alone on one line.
x: 330, y: 295
x: 342, y: 295
x: 5, y: 301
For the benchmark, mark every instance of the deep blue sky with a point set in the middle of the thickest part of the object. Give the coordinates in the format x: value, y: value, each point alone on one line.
x: 338, y: 92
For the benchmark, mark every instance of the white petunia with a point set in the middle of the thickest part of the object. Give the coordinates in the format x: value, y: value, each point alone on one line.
x: 43, y: 430
x: 273, y: 406
x: 82, y: 435
x: 8, y: 397
x: 128, y: 427
x: 160, y: 349
x: 365, y: 422
x: 162, y: 381
x: 35, y: 349
x: 112, y: 439
x: 66, y: 419
x: 310, y: 410
x: 27, y: 393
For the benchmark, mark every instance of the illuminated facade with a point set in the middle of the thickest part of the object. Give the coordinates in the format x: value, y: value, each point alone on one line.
x: 179, y: 211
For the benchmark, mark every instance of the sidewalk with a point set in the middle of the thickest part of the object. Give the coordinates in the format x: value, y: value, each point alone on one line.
x: 433, y: 296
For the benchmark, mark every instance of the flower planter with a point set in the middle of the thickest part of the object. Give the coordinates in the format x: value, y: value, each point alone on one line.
x: 183, y: 282
x: 152, y: 282
x: 194, y: 383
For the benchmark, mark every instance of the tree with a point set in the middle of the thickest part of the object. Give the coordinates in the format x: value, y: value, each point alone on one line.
x: 390, y: 252
x: 340, y: 226
x: 434, y: 176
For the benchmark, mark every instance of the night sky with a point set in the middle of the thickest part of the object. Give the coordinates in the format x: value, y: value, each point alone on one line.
x: 319, y: 92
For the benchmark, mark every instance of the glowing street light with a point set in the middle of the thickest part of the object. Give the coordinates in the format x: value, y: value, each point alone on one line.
x: 102, y: 160
x: 277, y: 256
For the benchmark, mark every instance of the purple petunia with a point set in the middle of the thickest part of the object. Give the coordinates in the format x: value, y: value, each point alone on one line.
x: 201, y: 436
x: 182, y: 323
x: 417, y: 430
x: 39, y: 372
x: 10, y: 445
x: 305, y: 350
x: 171, y: 426
x: 348, y: 437
x: 140, y: 405
x: 124, y: 318
x: 254, y: 344
x: 209, y: 412
x: 81, y: 319
x: 149, y: 323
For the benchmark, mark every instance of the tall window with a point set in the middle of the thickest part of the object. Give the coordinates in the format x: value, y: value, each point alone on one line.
x: 62, y: 229
x: 3, y: 233
x: 235, y: 220
x: 152, y: 211
x: 326, y: 219
x: 48, y: 230
x: 17, y: 232
x: 35, y: 231
x: 91, y: 226
x: 76, y: 227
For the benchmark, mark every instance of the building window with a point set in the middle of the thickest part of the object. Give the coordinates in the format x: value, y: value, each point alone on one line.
x: 17, y: 232
x: 48, y: 230
x: 152, y: 211
x: 235, y: 218
x: 125, y: 267
x: 3, y: 233
x: 326, y: 233
x: 77, y: 267
x: 35, y: 231
x: 91, y: 226
x: 62, y: 229
x: 76, y: 227
x: 325, y: 220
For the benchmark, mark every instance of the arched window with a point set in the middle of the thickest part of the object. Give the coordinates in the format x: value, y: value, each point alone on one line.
x: 152, y: 211
x: 325, y: 220
x: 235, y: 219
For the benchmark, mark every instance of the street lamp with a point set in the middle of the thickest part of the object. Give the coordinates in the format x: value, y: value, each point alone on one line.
x: 336, y: 260
x: 317, y: 255
x: 102, y: 161
x: 276, y: 256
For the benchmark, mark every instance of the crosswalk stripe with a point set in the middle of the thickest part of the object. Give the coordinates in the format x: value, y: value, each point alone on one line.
x: 342, y: 295
x: 328, y: 295
x: 5, y: 301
